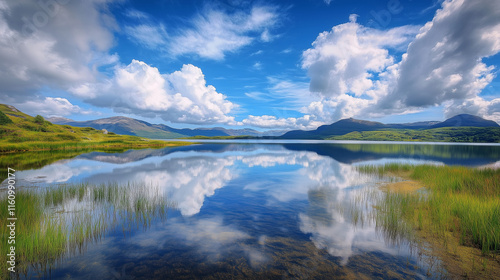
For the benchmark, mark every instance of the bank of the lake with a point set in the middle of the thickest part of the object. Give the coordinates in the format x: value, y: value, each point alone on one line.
x: 454, y: 209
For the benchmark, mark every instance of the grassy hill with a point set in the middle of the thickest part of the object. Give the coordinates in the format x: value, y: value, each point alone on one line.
x: 460, y: 128
x: 445, y: 134
x: 21, y: 132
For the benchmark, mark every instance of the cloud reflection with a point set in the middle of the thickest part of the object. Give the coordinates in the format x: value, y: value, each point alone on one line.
x: 189, y: 177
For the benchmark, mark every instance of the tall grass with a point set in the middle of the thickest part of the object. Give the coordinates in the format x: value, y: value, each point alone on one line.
x: 461, y: 200
x: 65, y: 218
x: 27, y: 145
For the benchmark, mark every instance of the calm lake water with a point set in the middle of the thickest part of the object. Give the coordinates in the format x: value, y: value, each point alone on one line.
x: 297, y: 209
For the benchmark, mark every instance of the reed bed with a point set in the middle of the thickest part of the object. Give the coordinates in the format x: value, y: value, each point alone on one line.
x: 458, y: 200
x: 75, y: 146
x: 63, y: 219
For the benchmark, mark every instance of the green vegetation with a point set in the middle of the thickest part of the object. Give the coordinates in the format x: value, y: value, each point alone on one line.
x: 26, y: 133
x: 445, y: 134
x: 4, y: 119
x: 459, y: 199
x: 64, y: 218
x: 459, y: 206
x: 222, y: 137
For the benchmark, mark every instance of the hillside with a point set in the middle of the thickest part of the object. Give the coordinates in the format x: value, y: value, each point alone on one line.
x: 338, y: 128
x: 125, y: 126
x: 352, y: 129
x: 22, y: 132
x: 130, y: 126
x: 443, y: 134
x: 464, y: 120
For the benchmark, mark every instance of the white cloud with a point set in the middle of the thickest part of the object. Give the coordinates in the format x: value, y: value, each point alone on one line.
x: 51, y: 45
x: 151, y: 36
x: 182, y: 96
x: 211, y: 34
x: 257, y: 65
x: 52, y: 107
x: 353, y: 69
x: 444, y: 62
x: 215, y: 32
x: 475, y: 106
x: 305, y: 122
x: 343, y: 60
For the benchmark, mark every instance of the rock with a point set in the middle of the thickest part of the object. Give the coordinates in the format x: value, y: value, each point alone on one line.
x: 104, y: 131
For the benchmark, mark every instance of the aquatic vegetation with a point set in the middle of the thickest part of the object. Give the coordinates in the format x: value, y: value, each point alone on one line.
x: 458, y: 203
x: 64, y: 218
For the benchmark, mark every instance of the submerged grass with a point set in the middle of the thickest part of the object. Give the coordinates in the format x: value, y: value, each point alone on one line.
x: 457, y: 203
x: 64, y: 218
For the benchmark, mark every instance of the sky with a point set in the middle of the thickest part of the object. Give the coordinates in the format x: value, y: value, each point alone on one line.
x: 251, y: 64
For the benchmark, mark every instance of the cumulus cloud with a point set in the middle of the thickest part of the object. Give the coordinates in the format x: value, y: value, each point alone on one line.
x: 343, y: 60
x: 52, y: 107
x: 35, y: 49
x: 305, y: 122
x: 444, y: 62
x: 341, y: 65
x: 182, y: 96
x: 211, y: 34
x: 356, y: 70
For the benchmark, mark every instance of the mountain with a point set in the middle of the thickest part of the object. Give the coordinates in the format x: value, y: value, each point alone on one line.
x: 415, y: 125
x: 129, y: 126
x: 341, y: 127
x: 466, y: 120
x: 22, y: 132
x: 122, y: 125
x: 345, y: 126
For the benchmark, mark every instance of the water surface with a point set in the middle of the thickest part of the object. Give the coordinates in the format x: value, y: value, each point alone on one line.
x: 254, y: 210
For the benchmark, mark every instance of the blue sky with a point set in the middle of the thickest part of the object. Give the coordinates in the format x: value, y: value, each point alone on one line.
x: 258, y: 64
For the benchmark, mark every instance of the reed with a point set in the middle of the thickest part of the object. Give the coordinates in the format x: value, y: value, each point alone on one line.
x: 65, y: 218
x: 460, y: 200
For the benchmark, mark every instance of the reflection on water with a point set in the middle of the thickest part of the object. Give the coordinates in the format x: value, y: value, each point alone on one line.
x: 253, y: 211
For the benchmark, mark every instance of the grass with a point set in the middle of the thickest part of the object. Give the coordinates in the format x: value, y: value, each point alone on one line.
x: 64, y: 218
x: 445, y: 134
x: 222, y: 137
x: 458, y: 204
x: 26, y: 133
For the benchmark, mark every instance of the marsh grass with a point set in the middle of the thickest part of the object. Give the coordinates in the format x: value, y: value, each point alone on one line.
x: 461, y: 200
x: 63, y: 219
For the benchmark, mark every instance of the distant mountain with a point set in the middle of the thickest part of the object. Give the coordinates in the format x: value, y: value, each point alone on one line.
x: 345, y: 126
x: 415, y: 125
x: 129, y: 126
x: 466, y: 120
x: 338, y: 128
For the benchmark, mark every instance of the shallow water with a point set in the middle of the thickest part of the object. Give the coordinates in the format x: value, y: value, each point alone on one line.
x: 254, y: 210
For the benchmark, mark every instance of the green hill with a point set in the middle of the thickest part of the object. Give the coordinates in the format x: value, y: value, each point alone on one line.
x: 445, y: 134
x: 22, y: 132
x: 460, y: 128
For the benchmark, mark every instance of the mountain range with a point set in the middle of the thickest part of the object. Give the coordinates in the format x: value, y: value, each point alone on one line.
x: 130, y: 126
x: 345, y: 126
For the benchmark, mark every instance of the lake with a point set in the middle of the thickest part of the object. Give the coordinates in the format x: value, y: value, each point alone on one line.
x: 250, y: 209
